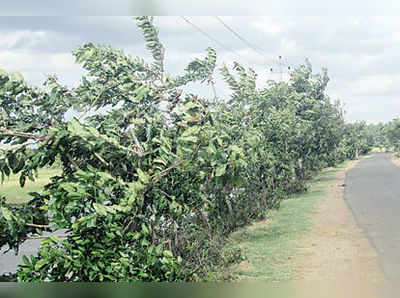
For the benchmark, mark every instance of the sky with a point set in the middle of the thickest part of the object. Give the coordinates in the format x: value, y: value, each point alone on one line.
x: 360, y: 53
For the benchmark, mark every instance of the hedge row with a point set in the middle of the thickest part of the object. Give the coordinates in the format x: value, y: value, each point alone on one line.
x: 150, y: 189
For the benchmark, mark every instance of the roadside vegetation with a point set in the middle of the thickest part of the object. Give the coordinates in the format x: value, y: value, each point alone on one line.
x: 151, y: 189
x: 391, y: 134
x: 387, y: 138
x: 396, y: 160
x: 270, y: 246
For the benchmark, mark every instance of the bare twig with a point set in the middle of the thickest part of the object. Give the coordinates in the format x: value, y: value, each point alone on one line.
x: 72, y: 161
x: 44, y: 237
x: 38, y: 226
x: 7, y: 132
x: 137, y: 143
x: 164, y: 172
x: 101, y: 159
x: 127, y: 227
x: 14, y: 147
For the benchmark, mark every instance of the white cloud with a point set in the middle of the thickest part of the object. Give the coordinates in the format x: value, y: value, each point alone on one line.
x: 375, y: 85
x: 26, y: 61
x: 29, y: 38
x: 361, y: 53
x: 269, y: 25
x: 35, y: 67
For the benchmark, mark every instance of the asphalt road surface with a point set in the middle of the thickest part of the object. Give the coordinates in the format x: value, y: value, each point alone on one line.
x: 373, y: 193
x: 9, y: 261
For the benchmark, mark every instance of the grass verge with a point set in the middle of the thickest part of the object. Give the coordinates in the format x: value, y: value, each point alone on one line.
x: 16, y: 194
x: 378, y: 149
x: 396, y: 160
x: 269, y: 246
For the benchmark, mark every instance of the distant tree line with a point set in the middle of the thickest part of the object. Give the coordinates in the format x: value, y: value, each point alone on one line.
x: 391, y: 135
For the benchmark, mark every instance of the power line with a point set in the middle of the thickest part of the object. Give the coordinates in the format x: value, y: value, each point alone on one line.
x: 231, y: 52
x: 253, y: 47
x: 206, y: 34
x: 212, y: 38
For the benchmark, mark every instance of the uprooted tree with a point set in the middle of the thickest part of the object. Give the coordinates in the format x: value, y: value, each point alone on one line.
x: 149, y: 189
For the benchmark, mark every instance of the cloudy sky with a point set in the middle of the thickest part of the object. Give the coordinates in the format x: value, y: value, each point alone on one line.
x: 361, y: 53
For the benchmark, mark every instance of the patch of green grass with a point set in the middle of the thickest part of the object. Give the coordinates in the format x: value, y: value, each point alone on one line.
x: 270, y: 245
x: 16, y: 194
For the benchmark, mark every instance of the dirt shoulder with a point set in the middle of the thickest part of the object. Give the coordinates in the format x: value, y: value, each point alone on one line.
x: 311, y: 241
x: 336, y: 248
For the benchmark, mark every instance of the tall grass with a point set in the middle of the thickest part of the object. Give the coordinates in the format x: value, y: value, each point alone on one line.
x: 16, y: 194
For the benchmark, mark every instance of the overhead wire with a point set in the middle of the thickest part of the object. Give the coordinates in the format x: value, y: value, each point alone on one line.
x: 245, y: 41
x: 255, y: 48
x: 229, y: 50
x: 233, y: 52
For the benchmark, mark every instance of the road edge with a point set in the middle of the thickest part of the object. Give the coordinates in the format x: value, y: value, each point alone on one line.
x: 339, y: 248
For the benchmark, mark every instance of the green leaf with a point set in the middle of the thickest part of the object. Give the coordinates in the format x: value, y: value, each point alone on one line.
x: 192, y: 139
x: 40, y: 264
x: 100, y: 209
x: 168, y: 253
x: 105, y: 176
x: 16, y: 76
x: 111, y: 209
x: 22, y: 180
x: 55, y: 239
x: 189, y: 106
x: 85, y: 56
x: 3, y: 73
x: 163, y: 148
x: 142, y: 176
x: 145, y: 229
x: 26, y: 260
x: 159, y: 160
x: 220, y: 143
x: 6, y: 213
x: 45, y: 241
x: 236, y: 149
x: 211, y: 149
x: 193, y: 130
x: 137, y: 236
x: 141, y: 93
x: 69, y: 187
x: 82, y: 174
x: 221, y: 170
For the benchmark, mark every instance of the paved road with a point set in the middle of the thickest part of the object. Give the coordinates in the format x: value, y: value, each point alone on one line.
x: 9, y: 262
x: 373, y: 193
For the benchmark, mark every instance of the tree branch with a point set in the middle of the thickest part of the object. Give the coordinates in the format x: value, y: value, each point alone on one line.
x: 164, y: 172
x: 37, y: 226
x: 137, y: 143
x: 72, y: 161
x: 14, y: 147
x: 7, y: 132
x: 101, y: 159
x: 44, y: 237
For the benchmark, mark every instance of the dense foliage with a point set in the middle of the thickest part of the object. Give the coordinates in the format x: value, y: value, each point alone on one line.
x: 150, y: 189
x: 392, y: 135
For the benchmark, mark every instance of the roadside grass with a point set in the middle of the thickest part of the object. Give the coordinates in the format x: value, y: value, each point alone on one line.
x: 396, y: 159
x: 16, y: 194
x: 378, y: 149
x: 270, y: 245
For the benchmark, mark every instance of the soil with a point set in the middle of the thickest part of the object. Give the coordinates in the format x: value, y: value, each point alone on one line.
x: 336, y: 248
